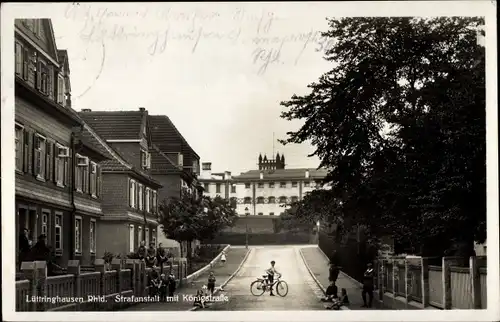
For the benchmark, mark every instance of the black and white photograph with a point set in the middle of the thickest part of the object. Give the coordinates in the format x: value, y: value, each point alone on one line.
x: 289, y: 159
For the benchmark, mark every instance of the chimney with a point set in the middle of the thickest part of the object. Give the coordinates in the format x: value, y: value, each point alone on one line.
x: 307, y: 174
x: 86, y: 110
x: 142, y: 109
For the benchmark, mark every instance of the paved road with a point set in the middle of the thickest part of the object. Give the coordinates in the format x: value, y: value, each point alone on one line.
x: 302, y: 290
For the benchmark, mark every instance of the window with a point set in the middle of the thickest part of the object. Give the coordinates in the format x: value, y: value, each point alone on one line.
x: 147, y: 237
x: 60, y: 90
x: 247, y: 200
x: 40, y: 147
x: 45, y: 223
x: 181, y: 160
x: 131, y: 185
x: 260, y: 185
x: 131, y: 244
x: 155, y: 202
x: 145, y: 159
x: 26, y: 64
x: 93, y: 179
x: 60, y: 160
x: 139, y: 234
x: 282, y: 199
x: 93, y: 237
x: 195, y: 167
x: 271, y: 185
x: 271, y: 214
x: 272, y: 200
x: 217, y: 188
x: 247, y: 186
x: 207, y: 187
x: 78, y: 235
x: 153, y: 237
x: 260, y: 199
x: 19, y: 58
x: 282, y: 184
x: 307, y: 184
x: 294, y: 184
x: 233, y: 188
x: 141, y: 197
x: 19, y: 147
x: 43, y: 77
x: 260, y: 213
x: 81, y: 174
x: 295, y: 199
x: 148, y: 200
x: 58, y: 232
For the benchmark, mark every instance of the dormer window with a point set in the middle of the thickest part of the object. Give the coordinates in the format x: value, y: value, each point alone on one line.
x: 145, y: 159
x: 181, y: 160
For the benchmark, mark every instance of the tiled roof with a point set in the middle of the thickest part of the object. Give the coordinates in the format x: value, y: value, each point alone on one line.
x: 278, y: 174
x: 159, y: 161
x: 166, y: 137
x: 115, y: 125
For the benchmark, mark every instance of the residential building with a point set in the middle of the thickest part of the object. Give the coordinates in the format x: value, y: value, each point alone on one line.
x: 130, y: 193
x: 58, y: 177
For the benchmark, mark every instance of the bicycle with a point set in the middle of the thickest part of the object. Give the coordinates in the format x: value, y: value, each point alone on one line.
x: 260, y: 286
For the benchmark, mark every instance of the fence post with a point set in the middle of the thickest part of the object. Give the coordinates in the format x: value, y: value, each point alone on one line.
x: 446, y: 283
x: 424, y: 265
x: 381, y: 278
x: 475, y: 283
x: 408, y: 281
x: 116, y: 265
x: 145, y: 290
x: 41, y: 268
x: 29, y: 271
x: 100, y: 266
x: 74, y: 269
x: 130, y: 264
x: 138, y: 284
x: 395, y: 269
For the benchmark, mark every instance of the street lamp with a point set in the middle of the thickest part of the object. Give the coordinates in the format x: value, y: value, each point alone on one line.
x: 246, y: 227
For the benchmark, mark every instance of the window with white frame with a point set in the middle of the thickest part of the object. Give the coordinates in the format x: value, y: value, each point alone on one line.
x: 58, y: 232
x: 145, y: 159
x: 19, y: 58
x: 81, y: 175
x: 93, y: 179
x: 148, y: 200
x: 78, y: 235
x: 93, y: 237
x: 60, y: 156
x: 147, y: 237
x: 60, y: 90
x: 45, y: 222
x: 19, y: 147
x: 139, y: 234
x: 40, y: 148
x: 155, y: 201
x: 131, y: 238
x: 131, y: 193
x: 141, y: 197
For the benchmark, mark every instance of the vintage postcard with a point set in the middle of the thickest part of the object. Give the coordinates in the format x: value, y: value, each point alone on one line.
x: 246, y: 161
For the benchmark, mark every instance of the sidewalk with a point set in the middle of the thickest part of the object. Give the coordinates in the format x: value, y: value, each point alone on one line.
x: 221, y: 271
x: 319, y: 265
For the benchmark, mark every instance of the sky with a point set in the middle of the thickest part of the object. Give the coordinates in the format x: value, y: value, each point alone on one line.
x: 219, y: 70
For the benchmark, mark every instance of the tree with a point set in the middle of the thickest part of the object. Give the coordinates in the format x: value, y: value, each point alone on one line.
x: 399, y: 122
x: 186, y: 218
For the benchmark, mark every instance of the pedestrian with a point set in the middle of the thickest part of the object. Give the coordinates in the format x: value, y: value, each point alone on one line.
x: 141, y: 251
x: 211, y: 283
x: 163, y: 285
x: 161, y: 256
x: 151, y: 256
x: 171, y: 284
x: 154, y: 280
x: 333, y: 272
x: 368, y: 286
x: 344, y: 299
x: 223, y: 257
x: 24, y: 245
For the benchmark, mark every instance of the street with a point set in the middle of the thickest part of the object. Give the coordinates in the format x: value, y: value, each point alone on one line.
x: 302, y: 294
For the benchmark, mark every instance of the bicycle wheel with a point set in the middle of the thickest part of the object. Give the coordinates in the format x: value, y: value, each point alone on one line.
x: 282, y: 288
x: 257, y: 288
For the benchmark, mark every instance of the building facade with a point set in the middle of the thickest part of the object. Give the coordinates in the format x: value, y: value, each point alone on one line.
x: 130, y: 193
x: 264, y: 191
x: 58, y: 177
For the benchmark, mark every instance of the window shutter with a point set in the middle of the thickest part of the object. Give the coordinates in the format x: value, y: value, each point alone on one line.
x: 50, y: 82
x: 26, y: 63
x: 136, y: 195
x: 55, y: 153
x: 129, y: 194
x: 32, y: 155
x: 66, y: 172
x: 19, y: 59
x: 99, y: 182
x: 26, y: 151
x: 39, y: 75
x: 48, y: 159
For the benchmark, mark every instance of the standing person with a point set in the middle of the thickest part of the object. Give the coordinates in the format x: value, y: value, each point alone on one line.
x: 270, y: 276
x: 24, y: 245
x: 211, y: 283
x: 141, y: 251
x: 161, y: 256
x: 163, y: 285
x: 368, y: 286
x: 334, y: 272
x: 171, y: 284
x: 151, y: 256
x: 223, y: 258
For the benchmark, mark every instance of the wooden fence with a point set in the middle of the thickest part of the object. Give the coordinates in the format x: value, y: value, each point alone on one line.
x: 80, y: 290
x: 445, y: 287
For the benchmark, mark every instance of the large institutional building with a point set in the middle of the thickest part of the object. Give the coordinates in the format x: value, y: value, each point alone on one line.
x: 264, y: 191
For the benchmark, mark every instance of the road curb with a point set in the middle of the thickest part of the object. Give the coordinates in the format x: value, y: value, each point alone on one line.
x: 229, y: 278
x: 314, y: 277
x: 349, y: 277
x: 202, y: 270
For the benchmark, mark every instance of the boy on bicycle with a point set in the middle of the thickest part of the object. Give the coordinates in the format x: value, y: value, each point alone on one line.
x: 270, y: 276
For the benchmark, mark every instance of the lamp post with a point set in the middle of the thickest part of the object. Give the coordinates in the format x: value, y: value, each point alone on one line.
x: 246, y: 227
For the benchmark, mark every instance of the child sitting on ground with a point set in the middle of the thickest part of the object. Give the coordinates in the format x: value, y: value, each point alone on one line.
x: 331, y: 292
x: 339, y: 302
x: 198, y: 300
